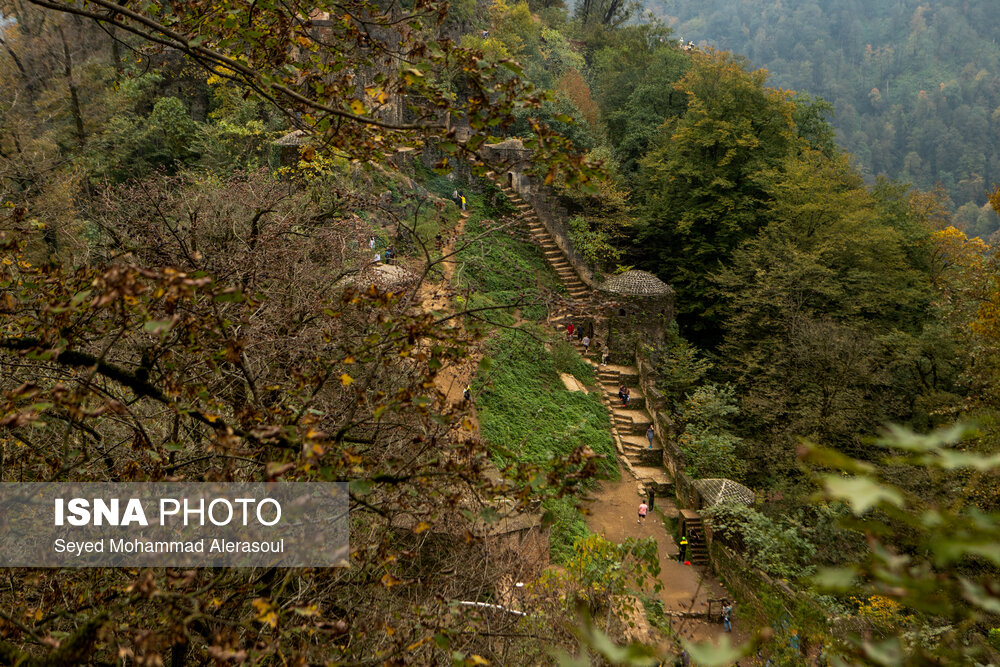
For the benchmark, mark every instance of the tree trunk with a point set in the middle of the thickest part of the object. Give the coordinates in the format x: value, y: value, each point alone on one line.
x: 74, y: 98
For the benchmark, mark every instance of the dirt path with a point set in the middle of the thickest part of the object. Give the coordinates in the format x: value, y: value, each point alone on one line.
x: 437, y: 296
x: 451, y: 380
x: 612, y: 512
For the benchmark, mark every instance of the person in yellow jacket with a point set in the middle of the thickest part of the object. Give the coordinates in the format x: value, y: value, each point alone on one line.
x: 683, y: 544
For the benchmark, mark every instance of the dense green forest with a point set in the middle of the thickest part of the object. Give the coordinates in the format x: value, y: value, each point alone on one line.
x: 913, y: 84
x: 191, y: 199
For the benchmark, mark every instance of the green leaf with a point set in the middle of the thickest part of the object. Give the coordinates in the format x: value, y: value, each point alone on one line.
x: 230, y: 296
x: 835, y: 578
x: 361, y: 487
x: 157, y: 326
x: 887, y: 653
x: 861, y: 493
x: 709, y: 655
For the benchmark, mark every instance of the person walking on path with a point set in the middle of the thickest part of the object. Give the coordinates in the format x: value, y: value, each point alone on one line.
x: 683, y: 549
x: 605, y: 353
x: 462, y: 197
x: 727, y: 616
x: 626, y: 396
x: 643, y: 508
x: 569, y: 331
x: 649, y: 435
x: 371, y: 243
x: 454, y: 197
x: 467, y: 394
x: 586, y: 345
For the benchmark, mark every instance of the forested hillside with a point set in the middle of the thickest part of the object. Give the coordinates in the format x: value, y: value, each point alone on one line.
x: 914, y: 84
x: 270, y: 242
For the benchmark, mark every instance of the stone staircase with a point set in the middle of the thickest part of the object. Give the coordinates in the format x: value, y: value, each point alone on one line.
x: 694, y: 530
x: 629, y: 424
x: 550, y: 249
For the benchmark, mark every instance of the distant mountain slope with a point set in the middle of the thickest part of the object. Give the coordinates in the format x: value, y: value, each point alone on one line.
x: 915, y: 85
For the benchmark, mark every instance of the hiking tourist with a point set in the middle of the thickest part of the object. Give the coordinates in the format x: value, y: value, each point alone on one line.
x: 569, y: 331
x: 626, y: 396
x: 605, y: 355
x: 586, y: 344
x: 727, y: 616
x: 649, y: 435
x: 643, y: 508
x: 683, y: 544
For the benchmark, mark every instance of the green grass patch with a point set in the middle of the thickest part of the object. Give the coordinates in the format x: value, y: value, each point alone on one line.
x: 503, y: 267
x: 526, y: 413
x: 567, y: 360
x: 568, y: 526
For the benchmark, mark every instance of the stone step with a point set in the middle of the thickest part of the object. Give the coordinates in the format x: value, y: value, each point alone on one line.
x: 640, y: 442
x: 635, y: 403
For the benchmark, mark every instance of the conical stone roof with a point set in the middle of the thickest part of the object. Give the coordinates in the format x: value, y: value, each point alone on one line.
x: 718, y: 490
x: 636, y: 283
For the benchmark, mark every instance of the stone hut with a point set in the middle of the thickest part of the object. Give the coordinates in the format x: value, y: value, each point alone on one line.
x: 288, y: 146
x: 637, y: 308
x: 512, y: 159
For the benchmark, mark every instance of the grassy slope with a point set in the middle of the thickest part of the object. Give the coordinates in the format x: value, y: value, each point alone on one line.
x: 525, y: 412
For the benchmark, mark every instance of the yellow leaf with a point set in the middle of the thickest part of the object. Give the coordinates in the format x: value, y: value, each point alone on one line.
x: 38, y: 614
x: 421, y: 527
x: 346, y: 379
x: 389, y: 581
x: 357, y: 106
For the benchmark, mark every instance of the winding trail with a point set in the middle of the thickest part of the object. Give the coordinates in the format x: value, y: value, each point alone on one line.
x: 612, y: 508
x: 452, y: 379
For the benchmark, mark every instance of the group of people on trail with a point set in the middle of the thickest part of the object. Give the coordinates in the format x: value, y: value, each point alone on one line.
x: 389, y: 253
x: 584, y: 338
x: 458, y: 198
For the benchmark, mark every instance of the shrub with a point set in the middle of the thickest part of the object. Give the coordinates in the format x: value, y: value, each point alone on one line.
x: 709, y: 446
x: 780, y: 549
